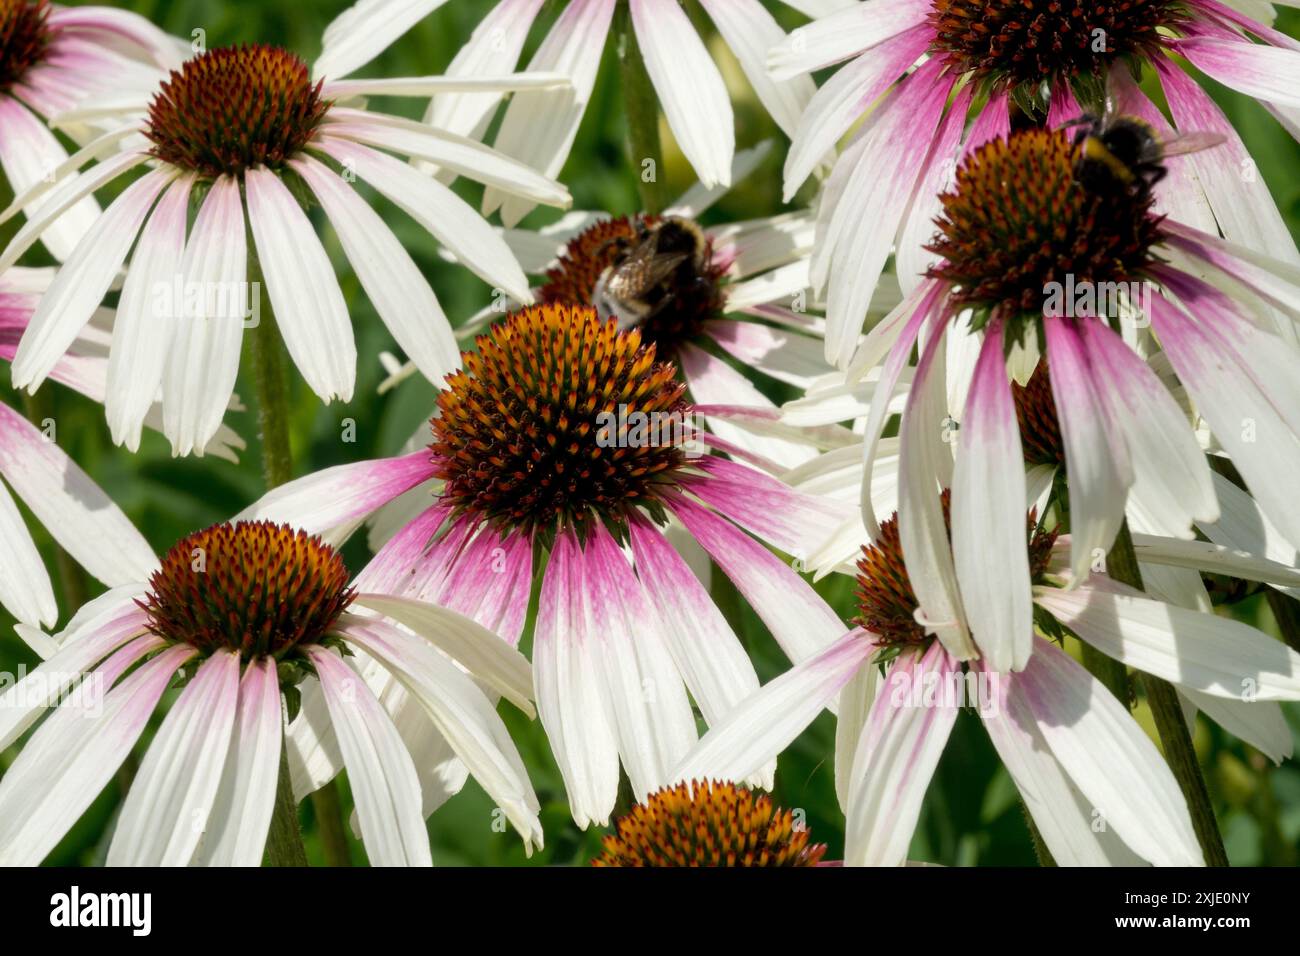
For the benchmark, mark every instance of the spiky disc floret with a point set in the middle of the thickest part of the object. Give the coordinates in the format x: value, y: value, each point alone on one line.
x: 695, y: 295
x: 1019, y: 219
x: 1026, y: 42
x: 1040, y: 429
x: 24, y: 38
x: 521, y: 439
x: 709, y: 824
x: 886, y: 602
x: 254, y: 587
x: 233, y: 108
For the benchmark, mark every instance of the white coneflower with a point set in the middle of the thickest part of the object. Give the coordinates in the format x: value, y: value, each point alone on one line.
x: 244, y: 611
x: 245, y: 132
x: 52, y: 58
x: 539, y: 128
x: 1072, y: 748
x: 984, y: 59
x: 544, y: 442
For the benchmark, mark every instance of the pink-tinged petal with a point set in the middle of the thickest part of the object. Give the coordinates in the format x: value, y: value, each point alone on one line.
x: 1171, y: 474
x: 924, y: 459
x: 1273, y: 280
x: 1255, y: 420
x: 70, y: 758
x: 653, y: 720
x: 491, y: 581
x: 364, y: 30
x: 241, y: 812
x: 75, y: 511
x: 461, y: 712
x: 89, y: 640
x: 29, y: 152
x: 714, y: 382
x: 1203, y: 652
x: 334, y: 501
x: 482, y: 653
x: 784, y: 518
x: 142, y: 335
x: 1108, y: 756
x: 988, y: 508
x: 1062, y: 815
x: 166, y: 810
x: 911, y: 260
x: 802, y: 623
x: 843, y: 34
x: 309, y: 308
x: 690, y: 88
x: 844, y: 98
x: 539, y: 127
x: 1223, y: 13
x: 707, y: 653
x: 397, y: 565
x: 79, y: 286
x: 1095, y: 453
x: 902, y: 741
x: 204, y: 362
x: 566, y: 669
x: 784, y: 354
x: 756, y: 731
x: 1265, y: 72
x: 382, y: 777
x: 165, y: 50
x: 1241, y: 201
x: 883, y: 168
x: 908, y: 320
x: 1064, y: 108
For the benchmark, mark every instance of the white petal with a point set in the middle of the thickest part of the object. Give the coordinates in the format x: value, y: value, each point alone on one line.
x: 144, y: 326
x: 383, y: 779
x: 1205, y: 652
x: 1260, y: 723
x: 690, y: 88
x: 308, y: 303
x: 759, y: 729
x: 481, y: 652
x: 71, y: 757
x: 844, y: 33
x: 25, y: 588
x: 80, y: 285
x: 171, y: 796
x: 241, y: 812
x: 1109, y: 757
x: 393, y: 282
x: 201, y: 371
x: 364, y: 30
x: 78, y: 515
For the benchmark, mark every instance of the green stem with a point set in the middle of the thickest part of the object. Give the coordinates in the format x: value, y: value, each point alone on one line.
x: 1175, y: 738
x: 641, y: 107
x: 284, y: 839
x: 284, y: 843
x: 328, y: 809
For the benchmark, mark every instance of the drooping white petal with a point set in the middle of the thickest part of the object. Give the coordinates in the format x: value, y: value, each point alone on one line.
x: 690, y: 88
x: 25, y: 588
x: 241, y: 811
x: 843, y: 34
x: 364, y: 30
x: 171, y: 796
x: 394, y: 283
x: 309, y: 307
x: 383, y: 779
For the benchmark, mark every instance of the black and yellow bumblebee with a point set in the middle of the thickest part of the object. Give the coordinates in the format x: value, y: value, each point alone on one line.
x: 668, y: 254
x: 1128, y: 152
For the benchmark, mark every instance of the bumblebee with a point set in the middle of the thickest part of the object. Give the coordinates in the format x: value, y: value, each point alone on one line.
x: 667, y: 258
x: 1128, y: 153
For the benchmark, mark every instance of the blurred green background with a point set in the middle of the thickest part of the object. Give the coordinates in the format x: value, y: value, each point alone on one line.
x: 972, y: 815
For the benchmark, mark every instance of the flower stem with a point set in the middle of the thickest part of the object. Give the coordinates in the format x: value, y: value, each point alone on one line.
x: 641, y: 107
x: 284, y: 840
x: 1122, y: 566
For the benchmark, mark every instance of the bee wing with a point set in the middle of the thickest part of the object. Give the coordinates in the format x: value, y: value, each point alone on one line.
x: 643, y: 269
x: 1191, y: 143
